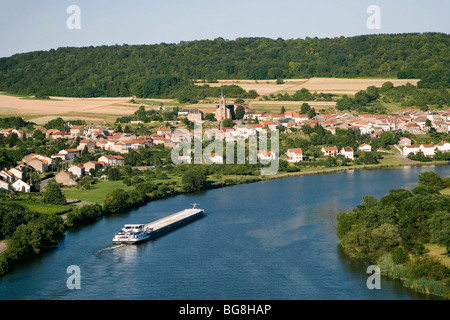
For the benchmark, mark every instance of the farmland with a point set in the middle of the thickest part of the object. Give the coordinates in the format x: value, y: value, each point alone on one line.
x: 106, y: 110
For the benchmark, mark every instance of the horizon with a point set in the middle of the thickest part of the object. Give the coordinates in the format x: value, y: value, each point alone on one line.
x: 225, y: 39
x: 30, y: 27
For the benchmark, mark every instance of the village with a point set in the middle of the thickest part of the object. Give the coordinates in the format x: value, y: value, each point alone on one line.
x: 109, y: 146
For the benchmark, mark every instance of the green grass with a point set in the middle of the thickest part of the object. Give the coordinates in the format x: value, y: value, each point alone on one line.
x: 97, y: 192
x: 46, y: 208
x: 391, y: 160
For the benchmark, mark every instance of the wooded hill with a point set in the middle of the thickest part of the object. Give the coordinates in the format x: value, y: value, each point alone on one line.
x: 157, y: 70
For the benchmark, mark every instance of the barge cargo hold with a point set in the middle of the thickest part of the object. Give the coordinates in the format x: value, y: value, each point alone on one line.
x: 157, y: 228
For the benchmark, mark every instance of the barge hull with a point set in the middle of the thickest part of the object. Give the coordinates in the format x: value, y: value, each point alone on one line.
x: 172, y: 222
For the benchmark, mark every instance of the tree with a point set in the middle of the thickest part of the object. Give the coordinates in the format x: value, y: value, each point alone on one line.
x: 116, y: 201
x: 431, y: 179
x: 193, y: 180
x: 113, y: 174
x: 53, y: 194
x: 228, y: 123
x: 239, y: 113
x: 440, y: 229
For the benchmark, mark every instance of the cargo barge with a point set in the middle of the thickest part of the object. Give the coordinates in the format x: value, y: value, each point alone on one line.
x: 137, y: 233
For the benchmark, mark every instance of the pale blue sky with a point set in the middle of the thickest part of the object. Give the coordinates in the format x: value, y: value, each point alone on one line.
x: 41, y: 24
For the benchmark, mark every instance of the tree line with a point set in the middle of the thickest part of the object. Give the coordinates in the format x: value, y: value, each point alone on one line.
x: 147, y: 70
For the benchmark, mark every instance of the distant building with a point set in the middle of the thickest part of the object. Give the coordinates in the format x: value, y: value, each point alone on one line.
x: 20, y: 186
x: 330, y: 151
x: 427, y: 149
x: 216, y: 158
x: 89, y: 144
x: 195, y: 115
x: 77, y: 170
x: 112, y: 160
x: 443, y: 146
x: 404, y: 141
x: 96, y: 165
x: 224, y: 111
x: 347, y: 152
x: 410, y: 149
x: 365, y: 147
x: 65, y: 178
x: 295, y: 155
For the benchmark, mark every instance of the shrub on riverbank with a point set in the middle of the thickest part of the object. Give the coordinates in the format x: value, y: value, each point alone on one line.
x: 39, y: 234
x: 392, y: 232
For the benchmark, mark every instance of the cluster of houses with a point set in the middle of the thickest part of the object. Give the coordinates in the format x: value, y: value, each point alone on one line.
x: 94, y: 137
x: 428, y: 150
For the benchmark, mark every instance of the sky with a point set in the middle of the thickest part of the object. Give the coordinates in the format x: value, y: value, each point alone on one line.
x: 42, y: 24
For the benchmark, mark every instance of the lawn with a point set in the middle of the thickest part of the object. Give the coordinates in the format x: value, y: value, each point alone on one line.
x: 97, y: 192
x: 438, y: 252
x: 387, y: 160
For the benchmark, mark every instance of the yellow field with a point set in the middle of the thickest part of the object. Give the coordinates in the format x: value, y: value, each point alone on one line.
x: 325, y: 85
x: 106, y: 110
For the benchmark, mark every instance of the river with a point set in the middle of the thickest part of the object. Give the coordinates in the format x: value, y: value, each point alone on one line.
x: 270, y: 240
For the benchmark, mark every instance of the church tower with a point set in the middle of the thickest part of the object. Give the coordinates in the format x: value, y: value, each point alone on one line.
x: 222, y: 110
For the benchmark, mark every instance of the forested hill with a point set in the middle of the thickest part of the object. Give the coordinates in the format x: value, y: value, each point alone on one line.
x: 124, y: 70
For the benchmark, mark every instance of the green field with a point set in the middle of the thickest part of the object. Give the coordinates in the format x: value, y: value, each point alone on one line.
x: 97, y: 192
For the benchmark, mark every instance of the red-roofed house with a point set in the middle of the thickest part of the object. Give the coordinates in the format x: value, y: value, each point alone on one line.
x: 295, y: 155
x: 112, y: 160
x: 443, y: 146
x: 330, y: 151
x: 347, y: 152
x: 77, y: 170
x: 427, y: 149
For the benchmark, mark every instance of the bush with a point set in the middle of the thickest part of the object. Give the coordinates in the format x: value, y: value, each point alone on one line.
x: 53, y: 194
x: 399, y: 255
x: 431, y: 179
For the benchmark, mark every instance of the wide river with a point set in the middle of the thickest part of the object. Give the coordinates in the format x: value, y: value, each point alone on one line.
x: 267, y: 240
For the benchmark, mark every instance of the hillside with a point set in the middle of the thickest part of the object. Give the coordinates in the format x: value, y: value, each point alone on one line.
x: 157, y: 70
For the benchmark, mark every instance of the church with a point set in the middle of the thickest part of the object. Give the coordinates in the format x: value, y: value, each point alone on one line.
x: 224, y: 111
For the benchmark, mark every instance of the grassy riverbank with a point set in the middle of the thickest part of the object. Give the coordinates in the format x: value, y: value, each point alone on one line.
x: 96, y: 200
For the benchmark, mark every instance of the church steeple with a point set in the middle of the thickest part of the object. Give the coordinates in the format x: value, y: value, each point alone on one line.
x: 221, y: 95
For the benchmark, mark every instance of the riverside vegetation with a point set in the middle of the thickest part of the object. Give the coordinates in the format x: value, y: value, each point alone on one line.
x: 394, y: 233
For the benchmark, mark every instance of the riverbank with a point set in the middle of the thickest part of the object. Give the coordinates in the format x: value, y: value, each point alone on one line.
x: 132, y: 197
x: 355, y: 167
x: 405, y: 234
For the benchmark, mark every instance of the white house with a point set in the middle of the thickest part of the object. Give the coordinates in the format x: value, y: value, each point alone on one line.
x: 21, y: 186
x: 330, y: 151
x: 7, y: 176
x: 18, y: 174
x: 216, y: 158
x: 365, y: 147
x: 295, y: 155
x: 112, y: 160
x: 4, y: 185
x: 427, y: 149
x: 347, y: 152
x: 265, y: 155
x: 443, y: 146
x: 410, y: 149
x: 70, y: 153
x: 77, y: 171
